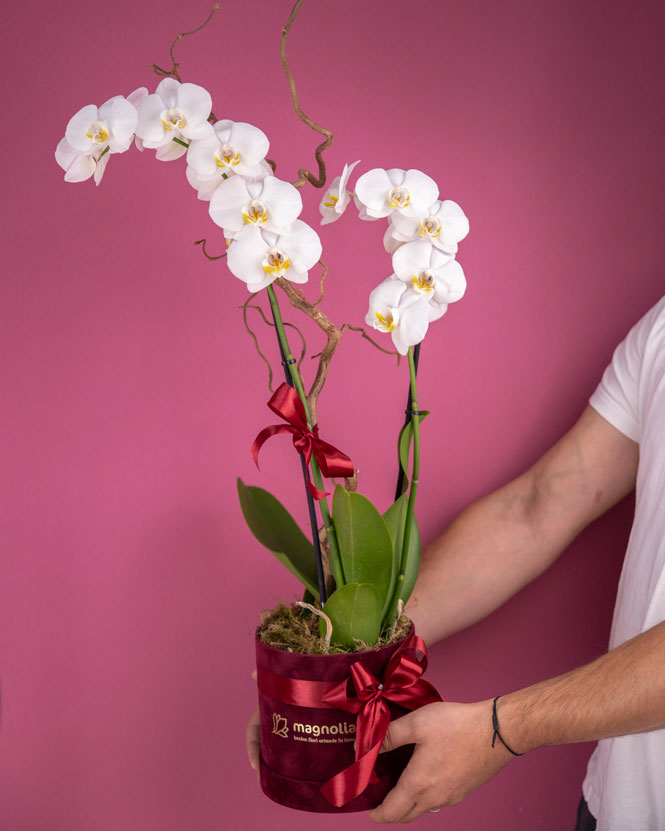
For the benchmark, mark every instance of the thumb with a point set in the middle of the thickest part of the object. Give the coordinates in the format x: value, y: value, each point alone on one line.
x: 400, y: 732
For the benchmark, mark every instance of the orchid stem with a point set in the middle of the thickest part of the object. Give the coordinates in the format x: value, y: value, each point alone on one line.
x: 415, y: 470
x: 321, y: 580
x: 297, y: 384
x: 399, y: 489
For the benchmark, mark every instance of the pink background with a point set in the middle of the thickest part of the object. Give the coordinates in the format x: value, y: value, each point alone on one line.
x: 129, y: 586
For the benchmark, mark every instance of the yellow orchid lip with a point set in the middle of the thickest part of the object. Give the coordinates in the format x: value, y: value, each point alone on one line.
x: 98, y: 133
x: 331, y: 200
x: 385, y: 322
x: 276, y: 263
x: 399, y: 197
x: 226, y: 156
x: 255, y: 214
x: 173, y: 119
x: 423, y: 283
x: 430, y: 227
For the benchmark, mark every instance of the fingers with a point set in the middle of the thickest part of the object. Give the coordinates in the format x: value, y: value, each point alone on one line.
x: 395, y: 806
x: 253, y: 739
x: 400, y: 732
x: 410, y: 798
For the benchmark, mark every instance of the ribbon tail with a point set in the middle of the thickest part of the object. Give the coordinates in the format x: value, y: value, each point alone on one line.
x: 305, y: 448
x: 265, y: 434
x: 352, y: 781
x: 331, y: 460
x: 316, y: 493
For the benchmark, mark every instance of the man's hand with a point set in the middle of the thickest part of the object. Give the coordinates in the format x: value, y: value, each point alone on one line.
x: 453, y: 756
x: 253, y: 738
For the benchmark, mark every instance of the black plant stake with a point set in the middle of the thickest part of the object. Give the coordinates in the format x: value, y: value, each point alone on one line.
x: 310, y: 499
x: 409, y: 416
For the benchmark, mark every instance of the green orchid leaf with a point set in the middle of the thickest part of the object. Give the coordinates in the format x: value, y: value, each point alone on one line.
x: 404, y: 446
x: 355, y: 613
x: 365, y: 547
x: 395, y: 518
x: 274, y: 527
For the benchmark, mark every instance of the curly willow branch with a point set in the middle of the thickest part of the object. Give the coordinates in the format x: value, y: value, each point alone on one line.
x: 202, y: 243
x: 173, y: 72
x: 364, y: 334
x: 321, y: 279
x: 303, y: 350
x: 253, y: 336
x: 304, y: 174
x: 333, y: 335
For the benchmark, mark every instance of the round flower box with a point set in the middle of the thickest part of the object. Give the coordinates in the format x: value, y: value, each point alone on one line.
x: 308, y: 745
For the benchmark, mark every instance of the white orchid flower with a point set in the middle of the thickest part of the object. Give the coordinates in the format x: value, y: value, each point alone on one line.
x: 390, y: 243
x: 432, y: 273
x: 445, y: 225
x: 207, y: 185
x: 271, y: 204
x: 382, y: 192
x: 80, y: 166
x: 93, y: 134
x: 234, y: 147
x: 174, y: 111
x: 406, y: 315
x: 135, y: 98
x: 337, y: 197
x: 258, y: 257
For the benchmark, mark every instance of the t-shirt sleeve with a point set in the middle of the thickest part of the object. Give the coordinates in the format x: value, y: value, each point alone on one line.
x: 617, y: 397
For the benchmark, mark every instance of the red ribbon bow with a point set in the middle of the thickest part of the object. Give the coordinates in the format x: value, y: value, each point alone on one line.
x: 286, y: 403
x: 364, y: 694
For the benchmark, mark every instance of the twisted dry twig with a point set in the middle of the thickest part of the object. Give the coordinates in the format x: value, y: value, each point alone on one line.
x: 333, y: 337
x: 364, y: 334
x: 202, y: 243
x: 303, y: 351
x: 173, y: 72
x: 304, y: 175
x: 321, y: 279
x: 253, y: 336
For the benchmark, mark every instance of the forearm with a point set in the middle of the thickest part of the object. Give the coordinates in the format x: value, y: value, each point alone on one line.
x: 622, y: 692
x: 484, y: 557
x: 505, y: 540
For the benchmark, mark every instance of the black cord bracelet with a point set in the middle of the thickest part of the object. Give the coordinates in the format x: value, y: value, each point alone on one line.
x: 288, y: 361
x: 495, y: 725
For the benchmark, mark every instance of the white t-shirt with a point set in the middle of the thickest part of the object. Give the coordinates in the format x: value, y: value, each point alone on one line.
x: 625, y: 782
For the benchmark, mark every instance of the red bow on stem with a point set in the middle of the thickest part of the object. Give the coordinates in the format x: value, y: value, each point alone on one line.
x: 364, y: 694
x: 286, y: 403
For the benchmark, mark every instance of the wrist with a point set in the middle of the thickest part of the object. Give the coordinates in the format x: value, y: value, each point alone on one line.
x: 515, y: 731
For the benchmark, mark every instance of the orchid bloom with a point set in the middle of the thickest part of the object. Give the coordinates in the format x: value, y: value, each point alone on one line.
x: 95, y: 133
x: 405, y: 314
x: 337, y: 197
x: 174, y: 111
x: 430, y: 272
x: 272, y: 205
x: 258, y: 257
x: 234, y: 147
x: 444, y: 225
x: 207, y: 185
x: 381, y: 192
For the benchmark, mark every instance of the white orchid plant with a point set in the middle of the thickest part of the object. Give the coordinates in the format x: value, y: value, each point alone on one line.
x: 361, y: 564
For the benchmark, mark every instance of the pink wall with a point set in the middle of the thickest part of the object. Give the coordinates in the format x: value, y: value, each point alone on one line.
x: 129, y: 587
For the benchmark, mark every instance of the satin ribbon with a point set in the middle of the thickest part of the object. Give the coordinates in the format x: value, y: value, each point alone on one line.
x: 364, y: 694
x: 286, y: 403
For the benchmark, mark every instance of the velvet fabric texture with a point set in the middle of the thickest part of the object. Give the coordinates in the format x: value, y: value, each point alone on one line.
x: 303, y: 747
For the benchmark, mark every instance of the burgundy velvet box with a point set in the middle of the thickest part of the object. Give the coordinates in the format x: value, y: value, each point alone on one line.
x: 303, y: 747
